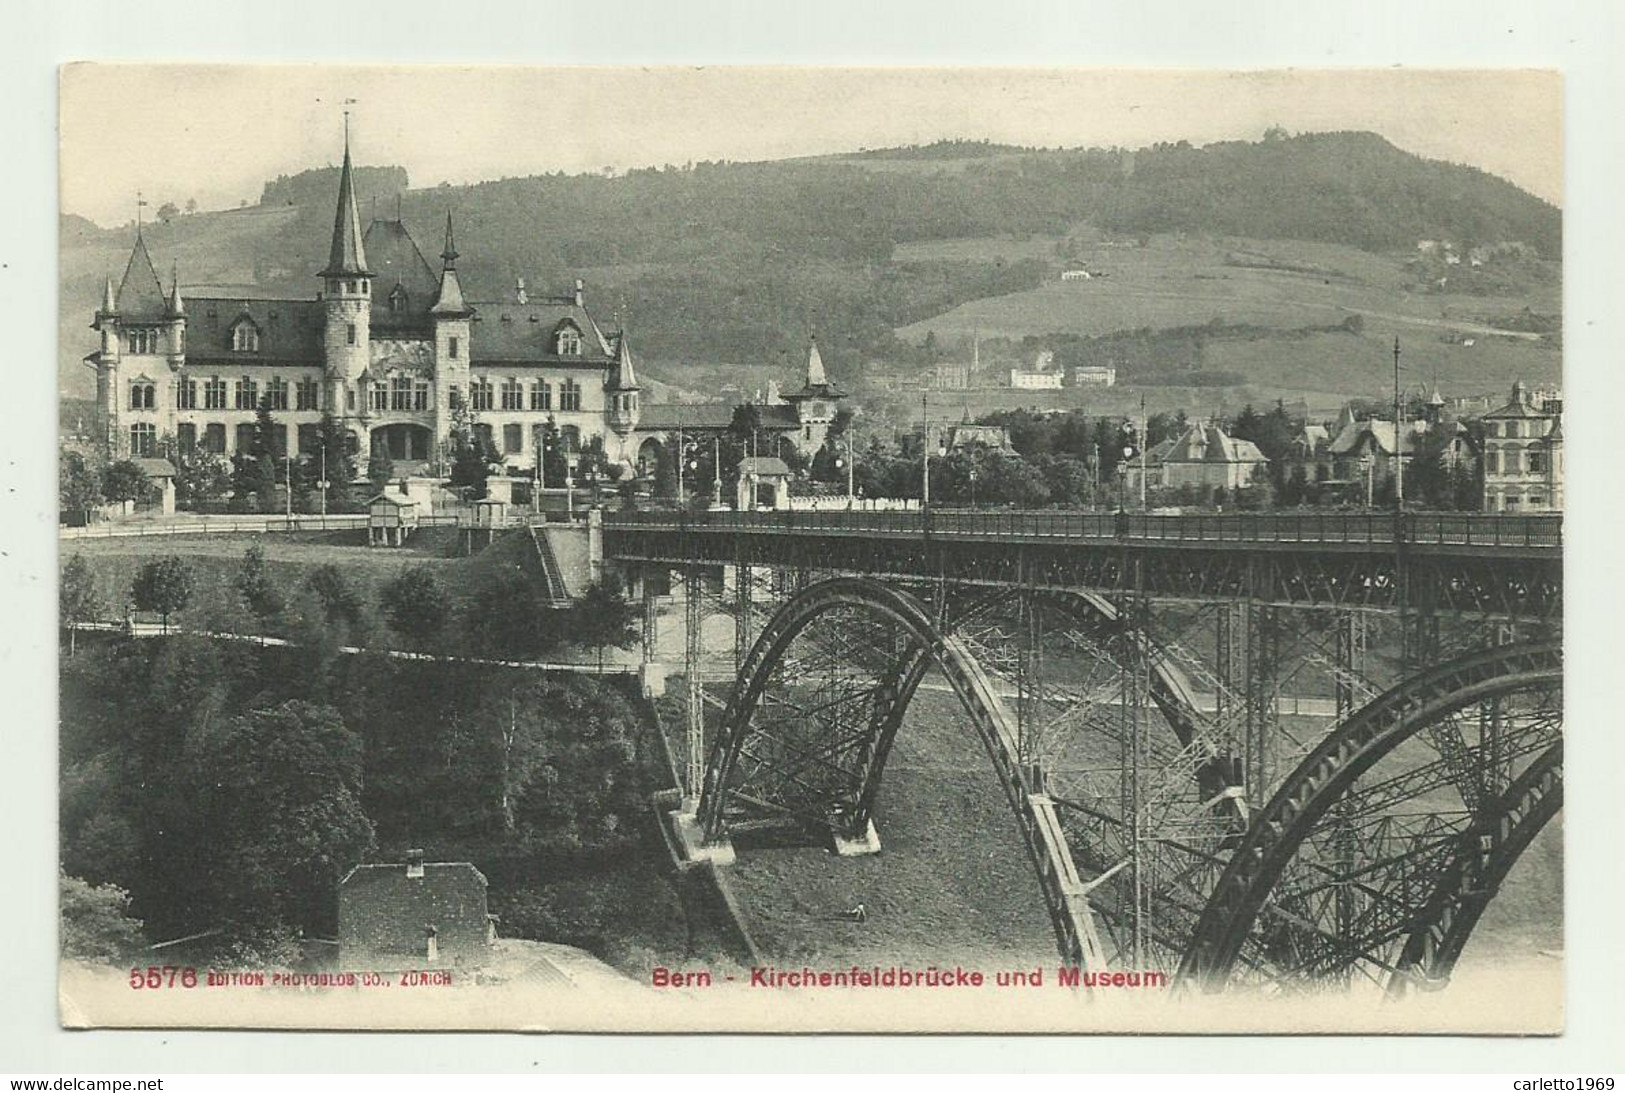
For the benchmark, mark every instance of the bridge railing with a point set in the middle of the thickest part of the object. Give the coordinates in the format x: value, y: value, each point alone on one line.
x: 1436, y: 529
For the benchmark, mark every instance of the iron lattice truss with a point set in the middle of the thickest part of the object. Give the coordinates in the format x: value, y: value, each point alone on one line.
x: 1285, y: 768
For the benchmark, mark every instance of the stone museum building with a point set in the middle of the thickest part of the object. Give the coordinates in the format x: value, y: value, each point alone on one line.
x: 395, y: 351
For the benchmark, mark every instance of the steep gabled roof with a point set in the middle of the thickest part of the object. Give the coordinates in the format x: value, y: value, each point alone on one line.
x: 514, y: 333
x: 290, y: 330
x: 397, y: 263
x: 140, y: 294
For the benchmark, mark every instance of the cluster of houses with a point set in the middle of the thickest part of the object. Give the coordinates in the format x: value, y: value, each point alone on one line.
x: 1521, y: 453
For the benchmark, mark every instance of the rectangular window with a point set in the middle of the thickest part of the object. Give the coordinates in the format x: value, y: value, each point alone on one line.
x: 214, y: 438
x: 245, y: 438
x: 482, y: 394
x: 400, y: 392
x: 143, y: 439
x: 349, y: 334
x: 513, y: 395
x: 248, y: 394
x: 214, y: 394
x: 569, y: 396
x: 380, y: 396
x: 541, y: 396
x: 309, y: 439
x: 305, y: 395
x: 482, y: 433
x: 454, y: 396
x: 513, y: 439
x: 420, y: 396
x: 279, y: 440
x: 452, y: 348
x: 186, y: 436
x: 277, y: 391
x: 186, y: 395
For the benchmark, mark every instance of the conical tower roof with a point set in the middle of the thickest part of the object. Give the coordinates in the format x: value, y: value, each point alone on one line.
x: 140, y: 294
x: 109, y: 300
x: 622, y: 376
x: 449, y: 300
x: 346, y: 257
x: 177, y: 307
x: 815, y: 365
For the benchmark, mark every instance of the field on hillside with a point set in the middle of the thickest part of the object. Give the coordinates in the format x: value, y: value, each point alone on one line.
x: 1287, y: 289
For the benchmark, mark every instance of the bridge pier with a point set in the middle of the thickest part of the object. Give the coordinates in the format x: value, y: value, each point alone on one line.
x: 857, y: 846
x: 688, y: 837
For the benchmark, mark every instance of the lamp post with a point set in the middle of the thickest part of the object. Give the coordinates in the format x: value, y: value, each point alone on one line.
x: 1399, y: 461
x: 287, y: 478
x: 323, y: 484
x: 925, y: 450
x: 850, y: 491
x: 716, y: 474
x: 570, y: 459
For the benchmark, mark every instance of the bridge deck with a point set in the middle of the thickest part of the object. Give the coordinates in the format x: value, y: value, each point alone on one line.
x: 1486, y: 533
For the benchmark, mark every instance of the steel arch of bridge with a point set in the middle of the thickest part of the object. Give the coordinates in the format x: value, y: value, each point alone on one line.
x: 1465, y: 889
x: 1062, y: 888
x: 1280, y: 829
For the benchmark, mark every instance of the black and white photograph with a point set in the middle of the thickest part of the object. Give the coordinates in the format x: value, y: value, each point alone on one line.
x: 811, y: 549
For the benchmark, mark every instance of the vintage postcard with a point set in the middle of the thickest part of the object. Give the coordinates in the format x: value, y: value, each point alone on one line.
x: 787, y: 550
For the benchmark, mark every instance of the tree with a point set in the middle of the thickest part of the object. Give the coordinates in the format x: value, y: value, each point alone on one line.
x: 380, y: 469
x: 284, y: 816
x: 96, y: 922
x: 340, y: 603
x: 335, y: 460
x: 125, y: 481
x: 509, y: 618
x: 79, y: 487
x: 77, y: 598
x: 469, y: 469
x: 417, y: 606
x: 258, y: 590
x: 191, y: 206
x: 164, y: 586
x: 201, y: 476
x: 602, y: 617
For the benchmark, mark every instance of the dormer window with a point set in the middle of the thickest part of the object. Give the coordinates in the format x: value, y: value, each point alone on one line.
x: 568, y: 341
x: 397, y: 300
x: 245, y: 337
x: 142, y: 340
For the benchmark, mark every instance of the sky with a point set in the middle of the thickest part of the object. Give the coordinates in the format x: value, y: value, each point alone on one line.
x: 215, y: 133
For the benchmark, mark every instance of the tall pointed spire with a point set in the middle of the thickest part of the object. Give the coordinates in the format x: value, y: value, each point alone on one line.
x: 449, y: 300
x: 109, y: 302
x: 346, y: 257
x: 622, y: 377
x: 815, y: 364
x: 449, y: 254
x: 177, y: 306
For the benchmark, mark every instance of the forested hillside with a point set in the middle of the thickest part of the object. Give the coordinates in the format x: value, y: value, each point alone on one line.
x: 731, y: 262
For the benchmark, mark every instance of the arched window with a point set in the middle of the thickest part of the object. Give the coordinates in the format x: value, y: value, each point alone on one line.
x: 569, y: 341
x: 245, y: 337
x: 397, y: 299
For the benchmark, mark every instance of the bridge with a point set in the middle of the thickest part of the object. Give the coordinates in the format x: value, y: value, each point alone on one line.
x: 1137, y: 683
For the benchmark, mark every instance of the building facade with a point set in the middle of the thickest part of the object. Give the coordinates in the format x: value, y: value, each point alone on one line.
x: 1203, y: 457
x: 389, y: 346
x: 414, y: 914
x: 1523, y: 454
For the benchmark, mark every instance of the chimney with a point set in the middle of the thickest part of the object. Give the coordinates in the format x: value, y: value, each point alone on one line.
x: 414, y: 862
x: 519, y: 291
x: 581, y: 294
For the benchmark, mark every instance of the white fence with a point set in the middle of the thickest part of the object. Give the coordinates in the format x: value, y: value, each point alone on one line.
x: 214, y: 525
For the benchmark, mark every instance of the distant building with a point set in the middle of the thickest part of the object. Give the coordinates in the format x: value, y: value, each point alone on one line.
x: 950, y: 376
x: 1094, y: 375
x: 1076, y: 275
x: 1203, y: 456
x: 414, y: 914
x: 1523, y: 454
x: 1042, y: 376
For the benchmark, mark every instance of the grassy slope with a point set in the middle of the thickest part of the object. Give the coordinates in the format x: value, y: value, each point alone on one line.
x: 1195, y: 281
